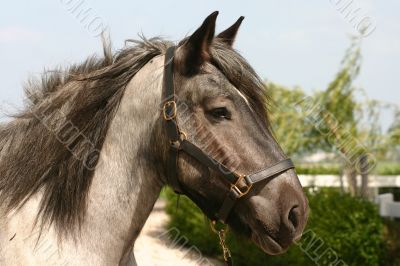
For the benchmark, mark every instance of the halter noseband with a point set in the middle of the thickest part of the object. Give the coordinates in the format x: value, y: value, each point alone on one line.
x: 179, y: 142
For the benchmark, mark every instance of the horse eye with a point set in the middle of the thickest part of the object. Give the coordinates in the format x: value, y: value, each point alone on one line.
x: 220, y: 113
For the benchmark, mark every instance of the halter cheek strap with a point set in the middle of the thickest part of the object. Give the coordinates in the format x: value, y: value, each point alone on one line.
x: 240, y: 185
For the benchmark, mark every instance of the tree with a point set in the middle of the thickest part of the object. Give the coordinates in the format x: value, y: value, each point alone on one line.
x: 289, y: 125
x: 335, y: 121
x: 352, y: 127
x: 337, y: 126
x: 394, y: 136
x: 394, y: 130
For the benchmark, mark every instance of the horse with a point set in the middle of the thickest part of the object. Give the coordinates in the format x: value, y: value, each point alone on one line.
x: 82, y: 165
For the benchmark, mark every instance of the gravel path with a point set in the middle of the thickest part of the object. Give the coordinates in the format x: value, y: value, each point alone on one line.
x: 154, y: 247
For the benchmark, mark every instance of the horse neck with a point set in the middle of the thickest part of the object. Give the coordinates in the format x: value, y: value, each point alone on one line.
x: 126, y: 183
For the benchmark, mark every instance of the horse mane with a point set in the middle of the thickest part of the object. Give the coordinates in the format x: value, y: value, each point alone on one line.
x: 53, y: 145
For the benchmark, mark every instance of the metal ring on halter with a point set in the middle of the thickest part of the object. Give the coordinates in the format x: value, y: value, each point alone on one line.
x: 182, y: 135
x: 176, y: 144
x: 212, y: 225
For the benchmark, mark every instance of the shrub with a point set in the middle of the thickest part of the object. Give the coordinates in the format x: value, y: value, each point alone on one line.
x: 392, y: 236
x: 382, y: 168
x: 349, y: 228
x: 387, y: 168
x: 318, y: 169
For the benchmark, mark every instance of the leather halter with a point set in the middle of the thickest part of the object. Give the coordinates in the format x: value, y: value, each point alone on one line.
x: 240, y: 184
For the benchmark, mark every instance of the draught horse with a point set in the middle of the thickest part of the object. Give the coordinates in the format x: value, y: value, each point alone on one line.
x: 83, y: 164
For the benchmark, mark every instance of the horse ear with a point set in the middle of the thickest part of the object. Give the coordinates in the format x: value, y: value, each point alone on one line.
x: 196, y: 49
x: 228, y: 36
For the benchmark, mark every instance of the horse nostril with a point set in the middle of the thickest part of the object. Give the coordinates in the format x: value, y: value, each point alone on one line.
x: 293, y: 216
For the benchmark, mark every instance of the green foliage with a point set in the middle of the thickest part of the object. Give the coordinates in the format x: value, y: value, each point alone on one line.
x: 392, y: 236
x: 349, y: 226
x: 387, y: 169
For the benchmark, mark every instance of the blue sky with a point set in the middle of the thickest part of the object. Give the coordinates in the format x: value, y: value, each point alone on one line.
x: 291, y: 43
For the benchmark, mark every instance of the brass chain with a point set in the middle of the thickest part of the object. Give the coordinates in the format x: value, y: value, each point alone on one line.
x: 225, y: 249
x: 222, y: 235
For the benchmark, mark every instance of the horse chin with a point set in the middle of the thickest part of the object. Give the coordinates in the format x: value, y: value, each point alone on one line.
x: 268, y: 244
x: 257, y: 234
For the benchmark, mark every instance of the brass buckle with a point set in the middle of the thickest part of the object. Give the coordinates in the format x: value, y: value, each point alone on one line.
x: 168, y: 116
x: 237, y: 189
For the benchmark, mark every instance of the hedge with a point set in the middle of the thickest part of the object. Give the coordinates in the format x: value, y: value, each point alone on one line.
x: 348, y: 228
x: 381, y: 168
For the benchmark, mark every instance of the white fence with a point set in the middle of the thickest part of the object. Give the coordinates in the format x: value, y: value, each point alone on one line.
x: 387, y: 206
x: 335, y: 181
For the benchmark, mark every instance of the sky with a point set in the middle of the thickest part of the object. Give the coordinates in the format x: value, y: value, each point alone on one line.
x: 292, y: 43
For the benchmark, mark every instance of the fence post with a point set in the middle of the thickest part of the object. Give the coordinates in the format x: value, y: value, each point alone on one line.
x: 364, y: 175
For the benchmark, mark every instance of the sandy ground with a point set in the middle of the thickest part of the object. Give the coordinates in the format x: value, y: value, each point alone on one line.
x: 157, y: 247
